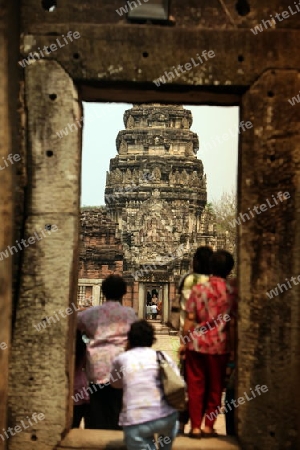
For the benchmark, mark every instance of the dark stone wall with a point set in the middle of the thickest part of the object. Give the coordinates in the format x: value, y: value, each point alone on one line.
x: 131, y: 53
x: 188, y: 14
x: 269, y: 257
x: 10, y: 216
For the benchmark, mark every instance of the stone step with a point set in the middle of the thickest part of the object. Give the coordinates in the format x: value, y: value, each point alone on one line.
x: 165, y: 331
x: 173, y: 333
x: 80, y: 439
x: 162, y: 328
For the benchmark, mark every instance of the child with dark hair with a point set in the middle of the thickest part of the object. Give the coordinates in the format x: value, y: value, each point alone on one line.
x: 145, y: 412
x: 141, y: 334
x: 81, y: 397
x: 210, y: 309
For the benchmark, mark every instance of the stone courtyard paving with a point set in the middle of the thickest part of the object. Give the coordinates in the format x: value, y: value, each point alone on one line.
x: 170, y: 345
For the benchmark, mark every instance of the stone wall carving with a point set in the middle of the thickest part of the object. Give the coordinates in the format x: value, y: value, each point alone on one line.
x: 130, y: 122
x: 153, y: 219
x: 185, y: 123
x: 156, y: 174
x: 189, y: 149
x: 123, y: 148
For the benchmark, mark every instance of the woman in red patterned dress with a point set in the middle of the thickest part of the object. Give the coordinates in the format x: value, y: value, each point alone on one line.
x: 210, y: 309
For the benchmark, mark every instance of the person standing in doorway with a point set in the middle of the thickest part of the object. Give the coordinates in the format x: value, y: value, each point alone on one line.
x: 148, y: 311
x: 154, y: 311
x: 207, y: 331
x: 106, y: 326
x: 200, y: 274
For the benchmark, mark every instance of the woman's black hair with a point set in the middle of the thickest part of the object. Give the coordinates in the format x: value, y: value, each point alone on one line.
x: 221, y: 263
x: 80, y: 349
x: 201, y: 260
x: 201, y: 264
x: 141, y: 334
x: 114, y: 287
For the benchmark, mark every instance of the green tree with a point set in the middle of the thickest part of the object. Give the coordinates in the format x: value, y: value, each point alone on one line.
x: 225, y: 211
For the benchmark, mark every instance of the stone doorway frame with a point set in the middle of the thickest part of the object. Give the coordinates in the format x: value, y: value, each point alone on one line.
x: 161, y: 291
x: 71, y: 97
x: 50, y: 78
x: 264, y: 70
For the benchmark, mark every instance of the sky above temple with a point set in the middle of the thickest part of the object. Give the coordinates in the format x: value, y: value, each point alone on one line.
x: 217, y: 129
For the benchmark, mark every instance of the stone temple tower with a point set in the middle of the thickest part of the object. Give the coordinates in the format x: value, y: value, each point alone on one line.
x: 156, y: 193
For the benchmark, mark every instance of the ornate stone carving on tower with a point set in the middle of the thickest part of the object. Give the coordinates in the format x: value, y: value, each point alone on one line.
x: 163, y: 193
x: 155, y: 198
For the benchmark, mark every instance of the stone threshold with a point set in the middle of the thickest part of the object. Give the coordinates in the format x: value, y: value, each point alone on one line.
x: 113, y: 440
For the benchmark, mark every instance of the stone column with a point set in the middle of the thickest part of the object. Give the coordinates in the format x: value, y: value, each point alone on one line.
x: 96, y: 294
x: 8, y: 54
x: 269, y: 323
x: 166, y: 305
x: 42, y: 361
x: 141, y: 301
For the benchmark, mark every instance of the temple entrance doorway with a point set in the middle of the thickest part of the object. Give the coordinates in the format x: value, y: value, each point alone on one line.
x: 151, y: 194
x: 154, y: 302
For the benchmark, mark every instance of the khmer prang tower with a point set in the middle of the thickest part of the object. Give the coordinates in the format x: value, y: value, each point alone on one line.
x: 156, y: 193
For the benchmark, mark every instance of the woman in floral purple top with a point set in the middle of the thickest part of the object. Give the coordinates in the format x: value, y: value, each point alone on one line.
x: 106, y: 326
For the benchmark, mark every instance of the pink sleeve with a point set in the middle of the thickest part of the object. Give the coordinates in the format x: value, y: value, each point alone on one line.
x: 133, y: 316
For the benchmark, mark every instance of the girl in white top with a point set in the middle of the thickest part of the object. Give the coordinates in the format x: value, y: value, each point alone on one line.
x: 145, y: 411
x: 154, y: 311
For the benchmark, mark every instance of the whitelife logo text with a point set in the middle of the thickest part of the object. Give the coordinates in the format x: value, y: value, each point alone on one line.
x: 261, y: 208
x: 187, y: 67
x: 49, y: 49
